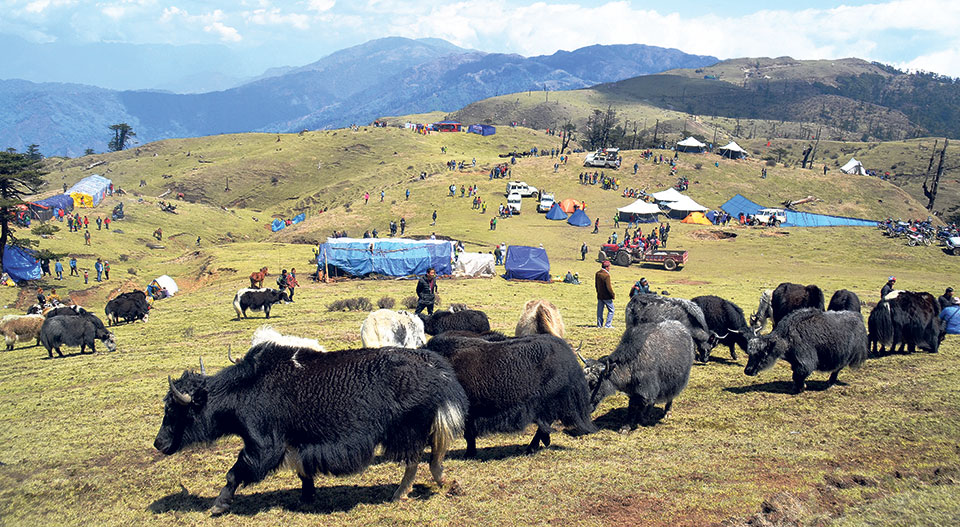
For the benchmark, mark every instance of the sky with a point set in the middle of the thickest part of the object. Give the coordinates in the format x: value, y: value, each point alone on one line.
x: 910, y: 34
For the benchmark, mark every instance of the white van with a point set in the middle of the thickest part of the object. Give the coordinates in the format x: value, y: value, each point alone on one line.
x: 514, y: 201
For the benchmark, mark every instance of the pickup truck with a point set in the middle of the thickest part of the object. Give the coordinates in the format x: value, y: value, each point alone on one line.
x: 624, y: 255
x: 546, y: 201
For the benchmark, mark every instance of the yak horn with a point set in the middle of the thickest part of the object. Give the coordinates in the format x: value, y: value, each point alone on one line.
x: 230, y: 357
x: 179, y: 396
x: 203, y: 371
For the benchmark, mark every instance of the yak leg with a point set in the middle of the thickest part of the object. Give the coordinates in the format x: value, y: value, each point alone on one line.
x: 541, y: 436
x: 307, y: 490
x: 266, y: 310
x: 471, y: 438
x: 668, y: 406
x: 253, y: 464
x: 733, y: 351
x: 406, y: 484
x: 833, y: 378
x: 800, y: 381
x: 436, y: 465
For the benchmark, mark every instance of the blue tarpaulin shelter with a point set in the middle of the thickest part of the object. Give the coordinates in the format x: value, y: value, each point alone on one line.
x: 579, y: 219
x: 481, y: 129
x: 737, y: 204
x: 298, y: 218
x: 20, y: 264
x: 387, y: 256
x: 278, y: 225
x: 556, y: 213
x: 712, y: 216
x: 89, y: 191
x: 527, y: 263
x: 56, y: 203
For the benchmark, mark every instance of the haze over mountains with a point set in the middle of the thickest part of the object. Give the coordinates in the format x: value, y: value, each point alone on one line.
x: 389, y: 76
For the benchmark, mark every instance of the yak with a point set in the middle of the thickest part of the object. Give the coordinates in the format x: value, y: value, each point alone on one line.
x: 21, y: 328
x: 651, y: 364
x: 907, y: 318
x: 540, y: 317
x: 463, y: 320
x: 811, y: 340
x: 318, y: 413
x: 515, y: 382
x: 788, y: 297
x: 80, y: 330
x: 844, y: 300
x: 764, y: 310
x: 129, y: 307
x: 257, y: 300
x: 384, y: 328
x: 726, y: 320
x: 71, y: 311
x: 644, y: 308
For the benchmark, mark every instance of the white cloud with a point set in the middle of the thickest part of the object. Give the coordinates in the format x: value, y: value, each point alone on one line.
x: 39, y: 6
x: 115, y: 12
x: 226, y: 33
x: 274, y: 17
x: 946, y: 62
x: 321, y: 6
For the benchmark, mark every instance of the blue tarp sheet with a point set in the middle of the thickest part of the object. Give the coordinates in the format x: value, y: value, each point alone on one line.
x: 60, y: 201
x: 298, y: 218
x: 579, y: 219
x: 20, y: 264
x: 388, y: 256
x: 556, y: 213
x: 278, y: 225
x: 737, y: 204
x: 527, y: 263
x: 482, y: 129
x: 712, y: 215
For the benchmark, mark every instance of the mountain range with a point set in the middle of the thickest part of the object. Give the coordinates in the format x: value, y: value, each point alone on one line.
x: 389, y: 76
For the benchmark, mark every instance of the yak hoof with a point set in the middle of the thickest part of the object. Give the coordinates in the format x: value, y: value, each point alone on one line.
x: 625, y: 429
x: 219, y: 508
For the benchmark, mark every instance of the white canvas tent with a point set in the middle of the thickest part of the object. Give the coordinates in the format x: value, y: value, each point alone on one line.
x: 682, y: 207
x: 671, y: 194
x: 639, y: 211
x: 690, y: 145
x: 732, y: 150
x: 167, y: 283
x: 475, y: 265
x: 853, y: 167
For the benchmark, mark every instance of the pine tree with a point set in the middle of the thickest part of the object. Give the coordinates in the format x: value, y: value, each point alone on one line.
x: 19, y: 176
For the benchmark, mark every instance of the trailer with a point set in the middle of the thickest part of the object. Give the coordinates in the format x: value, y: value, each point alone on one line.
x: 624, y: 255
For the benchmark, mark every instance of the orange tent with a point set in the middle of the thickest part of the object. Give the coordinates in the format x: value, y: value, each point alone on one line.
x: 568, y: 205
x: 696, y: 217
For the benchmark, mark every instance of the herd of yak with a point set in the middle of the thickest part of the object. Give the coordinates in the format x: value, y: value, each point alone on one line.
x: 295, y: 405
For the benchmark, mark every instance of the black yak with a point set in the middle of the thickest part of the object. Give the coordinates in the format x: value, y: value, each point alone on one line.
x: 128, y: 307
x: 257, y: 300
x: 644, y: 308
x: 80, y: 330
x: 788, y: 297
x: 463, y: 320
x: 844, y: 300
x: 907, y: 318
x: 726, y: 320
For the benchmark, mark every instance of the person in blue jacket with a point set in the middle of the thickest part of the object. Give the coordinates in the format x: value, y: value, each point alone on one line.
x: 950, y: 318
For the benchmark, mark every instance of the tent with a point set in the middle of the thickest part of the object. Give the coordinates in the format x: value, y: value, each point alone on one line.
x: 475, y: 265
x: 853, y: 167
x: 40, y: 212
x: 89, y: 191
x: 682, y: 207
x: 556, y: 213
x: 56, y: 203
x: 671, y: 194
x: 691, y: 145
x: 387, y: 256
x: 481, y: 129
x: 167, y: 283
x: 20, y: 264
x: 697, y: 218
x: 732, y: 150
x: 712, y: 215
x: 527, y: 263
x: 737, y: 204
x: 298, y: 218
x: 278, y: 225
x: 569, y: 205
x: 639, y: 211
x: 579, y: 219
x: 446, y: 126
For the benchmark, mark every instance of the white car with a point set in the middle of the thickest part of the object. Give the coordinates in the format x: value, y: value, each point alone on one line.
x: 546, y: 201
x: 764, y: 216
x: 519, y: 187
x: 514, y: 201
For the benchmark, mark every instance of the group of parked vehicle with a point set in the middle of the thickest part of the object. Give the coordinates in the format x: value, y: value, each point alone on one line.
x: 923, y: 233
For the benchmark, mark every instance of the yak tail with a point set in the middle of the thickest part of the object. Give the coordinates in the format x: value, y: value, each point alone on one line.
x: 448, y: 425
x: 236, y: 306
x: 547, y: 324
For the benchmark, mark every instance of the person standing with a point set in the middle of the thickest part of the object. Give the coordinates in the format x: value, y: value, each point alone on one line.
x: 99, y: 223
x: 888, y: 287
x: 282, y: 280
x: 605, y: 295
x: 946, y: 299
x: 381, y: 196
x: 106, y: 270
x: 86, y: 277
x: 99, y: 268
x: 58, y: 267
x: 408, y: 194
x: 950, y: 322
x: 292, y: 282
x: 73, y: 266
x: 106, y: 223
x: 434, y: 217
x: 583, y: 251
x: 426, y: 291
x: 403, y: 225
x: 596, y: 226
x: 86, y: 237
x: 497, y: 255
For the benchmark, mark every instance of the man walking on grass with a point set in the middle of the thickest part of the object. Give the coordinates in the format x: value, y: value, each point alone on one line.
x: 605, y: 295
x: 426, y: 291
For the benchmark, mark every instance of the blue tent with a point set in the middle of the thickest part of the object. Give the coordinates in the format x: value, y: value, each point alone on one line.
x: 737, y: 204
x: 278, y: 225
x: 556, y: 213
x: 579, y: 219
x: 527, y: 263
x: 712, y: 216
x: 20, y: 264
x: 387, y: 256
x: 298, y: 218
x: 481, y: 129
x: 55, y: 203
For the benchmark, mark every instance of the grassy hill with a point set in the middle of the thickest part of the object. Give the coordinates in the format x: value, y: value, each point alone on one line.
x: 880, y: 446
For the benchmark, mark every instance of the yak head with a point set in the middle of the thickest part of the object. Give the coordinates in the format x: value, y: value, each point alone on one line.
x: 184, y: 418
x: 763, y: 353
x: 597, y: 373
x: 108, y: 339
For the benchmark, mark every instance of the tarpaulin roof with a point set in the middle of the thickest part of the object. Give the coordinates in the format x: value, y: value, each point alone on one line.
x: 167, y: 283
x: 640, y: 207
x: 579, y: 219
x: 94, y: 187
x: 853, y: 167
x: 388, y: 256
x: 685, y: 203
x: 278, y: 225
x: 671, y: 194
x: 20, y: 264
x: 527, y: 263
x: 298, y: 218
x: 737, y: 204
x: 691, y: 143
x: 474, y: 264
x: 556, y: 213
x: 60, y: 201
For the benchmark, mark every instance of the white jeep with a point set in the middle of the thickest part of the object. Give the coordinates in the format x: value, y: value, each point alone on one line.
x: 519, y: 187
x: 764, y: 216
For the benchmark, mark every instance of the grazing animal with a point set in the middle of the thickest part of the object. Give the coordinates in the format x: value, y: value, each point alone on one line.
x: 21, y: 328
x: 540, y: 317
x: 811, y: 340
x: 256, y: 278
x: 726, y: 320
x: 78, y: 330
x: 651, y: 365
x: 764, y: 310
x: 907, y: 318
x: 127, y: 306
x: 644, y: 308
x: 515, y: 382
x: 384, y: 328
x: 257, y: 300
x: 844, y: 300
x: 788, y: 297
x: 464, y: 320
x: 318, y: 413
x: 70, y: 311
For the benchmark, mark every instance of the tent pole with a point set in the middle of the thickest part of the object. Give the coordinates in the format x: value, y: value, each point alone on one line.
x: 325, y: 273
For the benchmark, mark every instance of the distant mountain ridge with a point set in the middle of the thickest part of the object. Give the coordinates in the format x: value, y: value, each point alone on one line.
x: 389, y: 76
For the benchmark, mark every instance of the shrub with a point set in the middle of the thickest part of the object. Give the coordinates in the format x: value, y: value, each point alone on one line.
x: 132, y: 271
x: 45, y: 229
x: 410, y: 302
x: 698, y: 166
x: 771, y: 163
x: 351, y: 304
x: 386, y: 303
